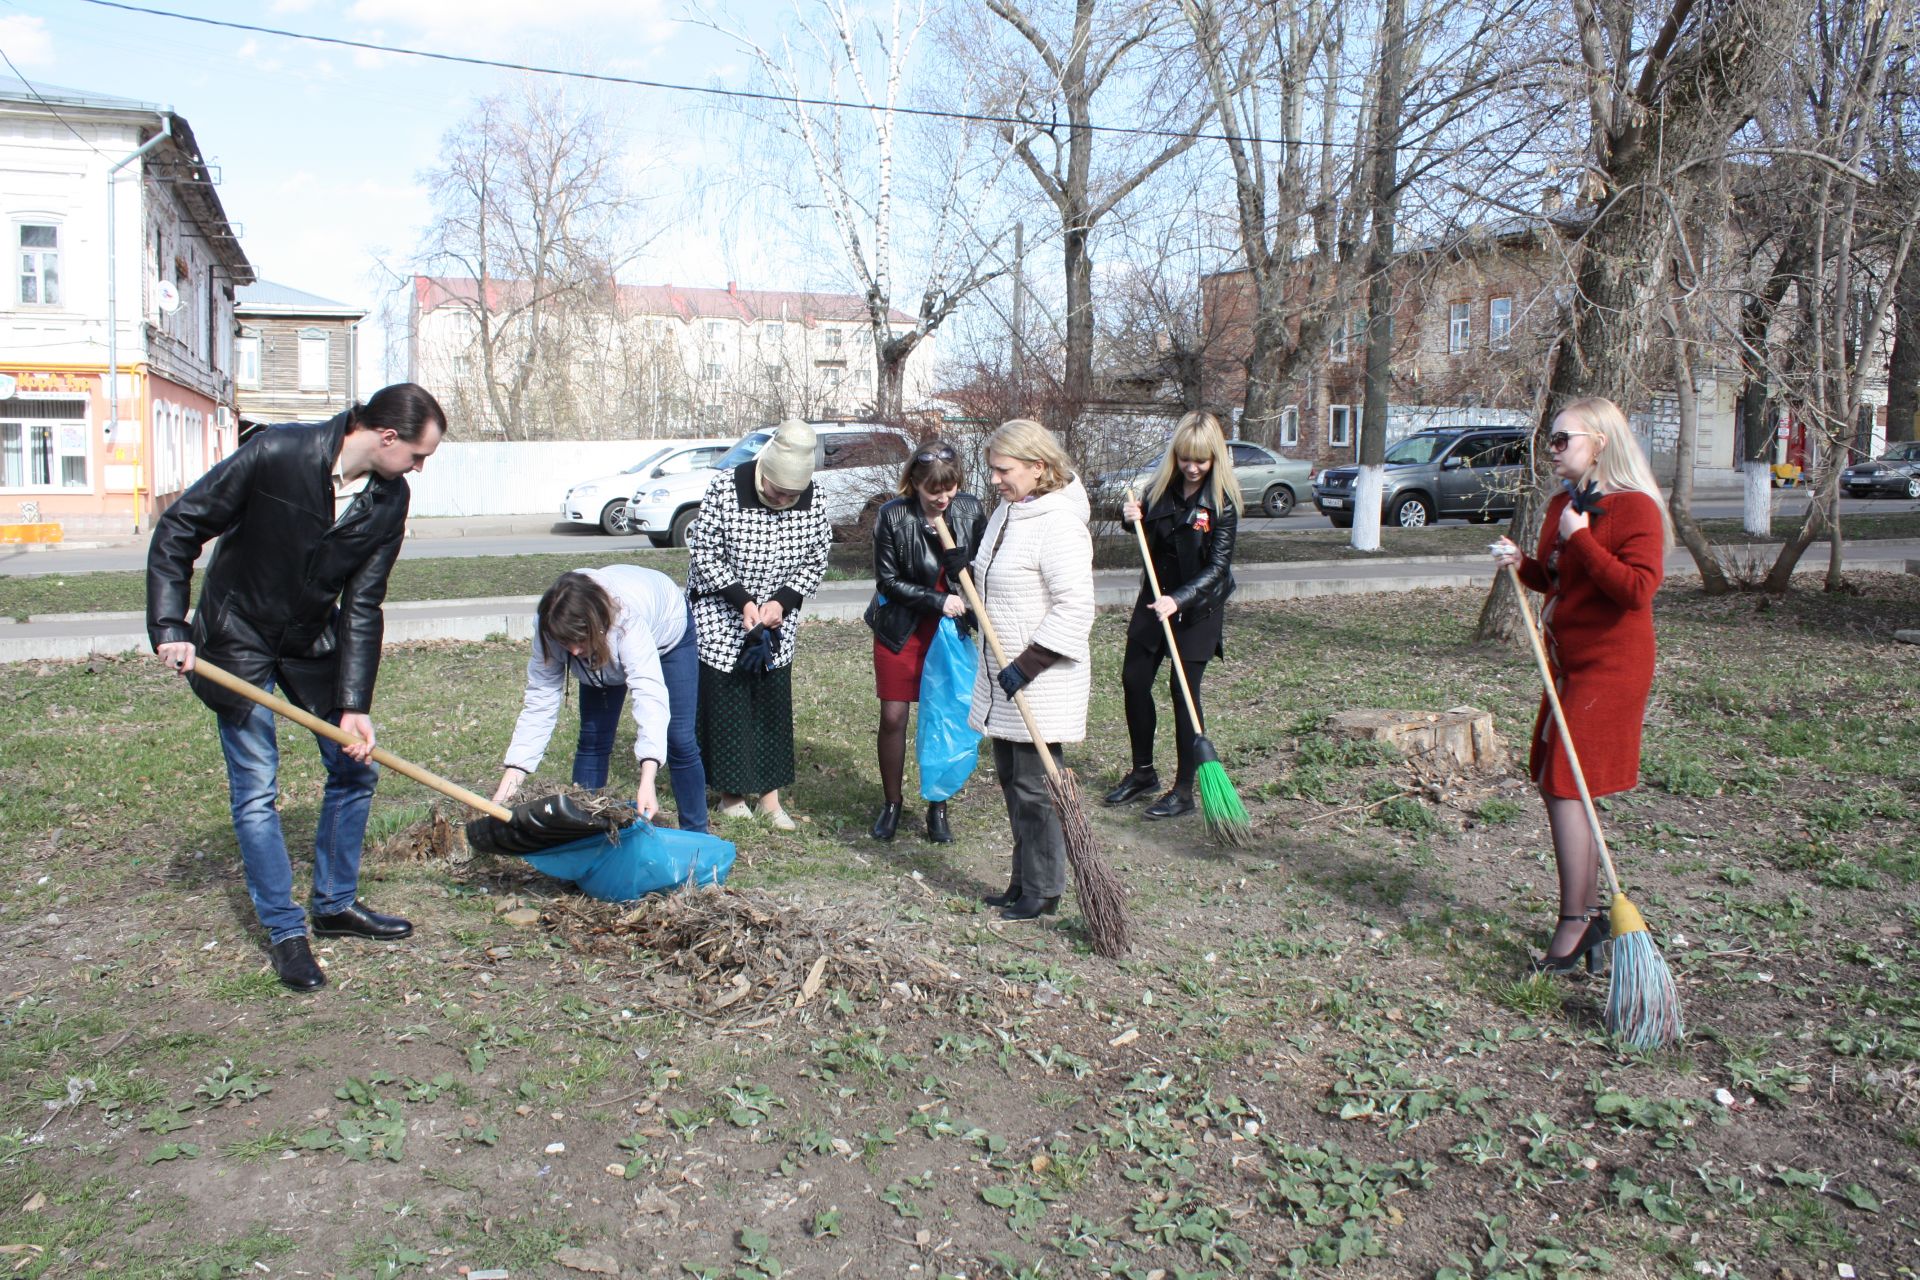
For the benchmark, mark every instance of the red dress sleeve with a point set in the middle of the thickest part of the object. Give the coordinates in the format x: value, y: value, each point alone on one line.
x: 1533, y: 568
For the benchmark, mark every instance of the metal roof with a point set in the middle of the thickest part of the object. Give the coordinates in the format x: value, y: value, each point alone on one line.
x: 265, y: 295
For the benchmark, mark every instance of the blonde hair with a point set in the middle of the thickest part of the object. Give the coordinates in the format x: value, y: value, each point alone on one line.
x: 1198, y: 436
x: 1619, y: 464
x: 1028, y: 441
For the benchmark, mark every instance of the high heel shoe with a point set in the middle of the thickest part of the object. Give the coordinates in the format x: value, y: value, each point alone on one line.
x: 1007, y: 899
x: 937, y: 829
x: 1590, y: 944
x: 887, y: 823
x: 1030, y: 907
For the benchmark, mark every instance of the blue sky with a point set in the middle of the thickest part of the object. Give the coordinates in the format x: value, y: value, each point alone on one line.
x: 320, y: 148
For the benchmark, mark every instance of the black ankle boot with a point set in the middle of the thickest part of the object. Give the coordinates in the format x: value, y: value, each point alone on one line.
x: 1143, y: 779
x: 887, y: 823
x: 1007, y: 899
x: 1174, y: 804
x: 1030, y: 907
x: 937, y: 829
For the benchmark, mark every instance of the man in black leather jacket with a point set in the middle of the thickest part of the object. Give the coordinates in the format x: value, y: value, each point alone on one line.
x: 310, y: 518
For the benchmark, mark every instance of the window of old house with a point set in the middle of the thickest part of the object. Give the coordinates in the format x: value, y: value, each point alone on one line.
x: 1290, y: 426
x: 39, y: 264
x: 1459, y: 326
x: 1500, y: 322
x: 1340, y: 426
x: 314, y: 350
x: 246, y: 359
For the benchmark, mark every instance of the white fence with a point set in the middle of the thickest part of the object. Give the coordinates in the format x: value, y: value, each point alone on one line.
x: 467, y: 478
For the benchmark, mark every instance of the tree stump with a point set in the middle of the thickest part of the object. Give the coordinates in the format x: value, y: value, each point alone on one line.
x: 1461, y: 738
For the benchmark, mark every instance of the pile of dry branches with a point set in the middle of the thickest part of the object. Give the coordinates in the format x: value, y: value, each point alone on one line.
x: 722, y: 954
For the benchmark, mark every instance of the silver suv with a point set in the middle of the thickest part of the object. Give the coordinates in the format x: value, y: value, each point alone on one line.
x: 1471, y: 473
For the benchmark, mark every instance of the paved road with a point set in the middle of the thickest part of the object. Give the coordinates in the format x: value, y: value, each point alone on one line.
x: 531, y: 535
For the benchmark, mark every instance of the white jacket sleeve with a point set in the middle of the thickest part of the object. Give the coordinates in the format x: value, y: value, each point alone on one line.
x: 1066, y: 566
x: 539, y: 710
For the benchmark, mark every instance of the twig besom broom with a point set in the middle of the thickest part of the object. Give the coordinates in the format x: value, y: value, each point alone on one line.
x: 1643, y: 1005
x: 1220, y: 805
x: 1102, y: 899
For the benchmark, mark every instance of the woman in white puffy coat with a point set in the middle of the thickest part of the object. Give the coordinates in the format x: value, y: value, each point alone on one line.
x: 1034, y: 572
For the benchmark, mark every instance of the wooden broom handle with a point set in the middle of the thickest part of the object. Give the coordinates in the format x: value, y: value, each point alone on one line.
x: 386, y: 759
x: 1560, y: 719
x: 999, y: 654
x: 1166, y: 624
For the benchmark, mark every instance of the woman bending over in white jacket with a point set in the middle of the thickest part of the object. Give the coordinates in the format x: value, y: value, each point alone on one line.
x: 1034, y: 572
x: 619, y: 629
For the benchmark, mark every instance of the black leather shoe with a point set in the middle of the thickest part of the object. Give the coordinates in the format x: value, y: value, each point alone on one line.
x: 887, y: 823
x: 1134, y: 785
x: 1030, y: 908
x: 360, y: 921
x: 294, y: 965
x: 937, y: 829
x: 1007, y: 899
x: 1171, y: 805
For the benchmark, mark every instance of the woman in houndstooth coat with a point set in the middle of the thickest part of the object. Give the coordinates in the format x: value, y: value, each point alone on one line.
x: 758, y: 548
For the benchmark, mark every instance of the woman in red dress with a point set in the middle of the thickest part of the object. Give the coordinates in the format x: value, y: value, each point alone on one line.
x: 911, y: 595
x: 1602, y: 554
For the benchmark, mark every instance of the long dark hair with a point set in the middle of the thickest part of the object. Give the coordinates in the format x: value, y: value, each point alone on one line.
x: 405, y: 408
x: 575, y: 610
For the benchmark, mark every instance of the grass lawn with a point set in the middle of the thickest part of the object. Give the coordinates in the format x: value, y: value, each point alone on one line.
x: 1324, y: 1056
x: 466, y: 578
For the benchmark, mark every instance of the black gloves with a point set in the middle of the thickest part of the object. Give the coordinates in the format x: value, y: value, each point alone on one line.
x: 952, y: 561
x: 1585, y: 499
x: 756, y: 650
x: 1019, y: 673
x: 1013, y: 679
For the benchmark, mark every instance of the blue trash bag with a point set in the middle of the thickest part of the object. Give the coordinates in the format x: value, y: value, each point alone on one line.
x: 645, y: 859
x: 944, y: 744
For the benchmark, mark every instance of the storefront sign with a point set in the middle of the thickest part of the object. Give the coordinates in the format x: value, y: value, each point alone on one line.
x: 46, y: 385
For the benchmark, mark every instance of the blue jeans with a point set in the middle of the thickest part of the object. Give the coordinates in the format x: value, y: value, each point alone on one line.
x: 600, y: 721
x: 253, y: 784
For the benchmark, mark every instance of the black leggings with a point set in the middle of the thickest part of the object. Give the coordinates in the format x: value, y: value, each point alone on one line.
x: 1137, y: 671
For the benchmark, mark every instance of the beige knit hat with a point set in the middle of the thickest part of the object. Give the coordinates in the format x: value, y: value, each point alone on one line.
x: 787, y: 461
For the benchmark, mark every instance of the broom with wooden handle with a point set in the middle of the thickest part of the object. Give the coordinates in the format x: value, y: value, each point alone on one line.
x: 1220, y: 805
x: 1643, y: 1005
x: 526, y: 828
x: 1103, y: 902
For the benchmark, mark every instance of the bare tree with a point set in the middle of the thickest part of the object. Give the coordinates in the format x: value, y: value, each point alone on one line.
x: 531, y: 208
x: 1666, y: 87
x: 839, y: 99
x: 1098, y: 53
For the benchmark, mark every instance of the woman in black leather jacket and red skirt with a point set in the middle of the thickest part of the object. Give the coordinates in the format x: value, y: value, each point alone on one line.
x: 911, y: 595
x: 1192, y: 515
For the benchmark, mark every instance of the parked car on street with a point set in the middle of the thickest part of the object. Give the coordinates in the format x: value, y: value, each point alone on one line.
x: 603, y: 499
x: 1270, y: 483
x: 1894, y: 474
x: 1472, y: 473
x: 856, y: 465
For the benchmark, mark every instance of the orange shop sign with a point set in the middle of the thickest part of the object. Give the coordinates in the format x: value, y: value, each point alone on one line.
x: 42, y: 382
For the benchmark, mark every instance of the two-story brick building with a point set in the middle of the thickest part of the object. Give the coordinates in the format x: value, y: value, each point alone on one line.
x: 1471, y: 326
x: 123, y: 256
x: 295, y: 354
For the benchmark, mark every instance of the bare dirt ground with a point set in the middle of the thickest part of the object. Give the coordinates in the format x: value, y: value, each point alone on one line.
x: 1324, y: 1055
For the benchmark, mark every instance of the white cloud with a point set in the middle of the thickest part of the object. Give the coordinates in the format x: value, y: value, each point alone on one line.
x: 501, y: 26
x: 26, y: 40
x: 291, y: 6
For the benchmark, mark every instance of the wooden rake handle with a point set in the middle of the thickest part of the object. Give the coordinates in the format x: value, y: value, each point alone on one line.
x: 1166, y: 624
x: 1560, y: 720
x: 999, y: 654
x: 386, y: 759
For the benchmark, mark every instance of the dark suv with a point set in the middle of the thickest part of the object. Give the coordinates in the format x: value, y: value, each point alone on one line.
x: 1472, y: 473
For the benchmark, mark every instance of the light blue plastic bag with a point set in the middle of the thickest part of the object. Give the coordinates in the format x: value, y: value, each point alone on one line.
x: 945, y: 746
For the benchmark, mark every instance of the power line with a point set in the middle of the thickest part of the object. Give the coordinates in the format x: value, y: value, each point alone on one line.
x: 746, y: 94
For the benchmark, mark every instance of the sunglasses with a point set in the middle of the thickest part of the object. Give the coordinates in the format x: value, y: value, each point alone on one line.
x: 943, y: 453
x: 1561, y: 439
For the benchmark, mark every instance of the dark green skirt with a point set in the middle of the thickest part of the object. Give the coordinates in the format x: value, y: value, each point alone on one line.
x: 746, y: 729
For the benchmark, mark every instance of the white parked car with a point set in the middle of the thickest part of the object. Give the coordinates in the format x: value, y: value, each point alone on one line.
x: 856, y: 465
x: 603, y: 499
